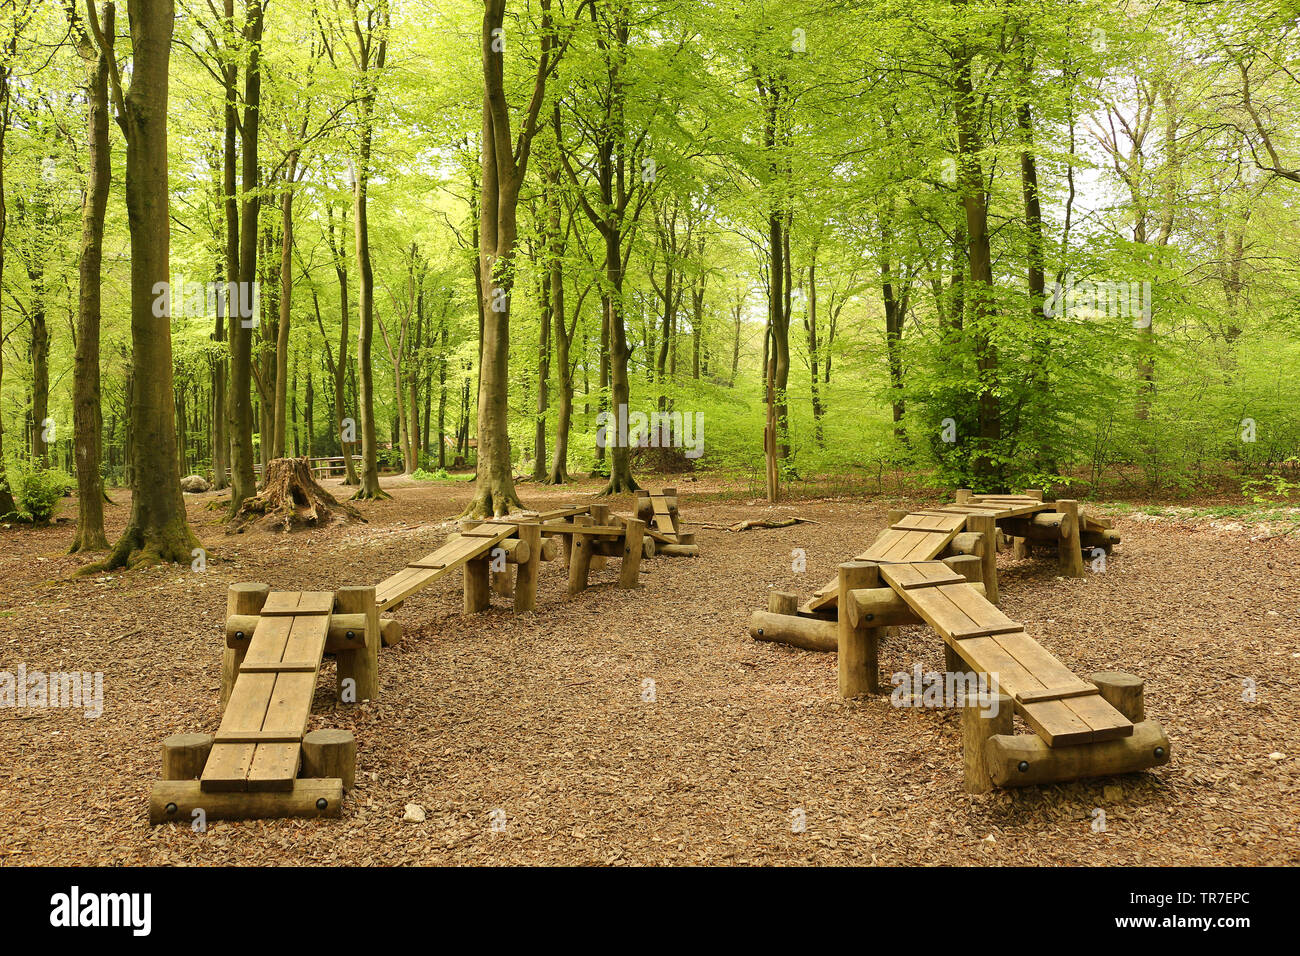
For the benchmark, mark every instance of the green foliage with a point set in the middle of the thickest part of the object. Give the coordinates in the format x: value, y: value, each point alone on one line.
x: 38, y: 491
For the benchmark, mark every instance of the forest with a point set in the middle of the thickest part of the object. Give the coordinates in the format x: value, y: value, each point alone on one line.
x: 990, y: 244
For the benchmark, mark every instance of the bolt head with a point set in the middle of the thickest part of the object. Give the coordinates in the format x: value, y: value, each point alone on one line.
x: 322, y: 803
x: 1160, y: 752
x: 171, y: 808
x: 1023, y: 766
x: 351, y: 635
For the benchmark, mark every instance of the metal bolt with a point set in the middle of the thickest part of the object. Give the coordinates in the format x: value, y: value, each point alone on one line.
x: 239, y: 635
x: 351, y: 635
x: 171, y: 808
x: 322, y: 803
x: 1023, y: 766
x: 1160, y: 752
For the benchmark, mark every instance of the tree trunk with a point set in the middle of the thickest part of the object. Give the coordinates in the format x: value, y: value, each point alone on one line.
x: 157, y: 529
x: 369, y: 487
x: 87, y: 416
x: 243, y: 270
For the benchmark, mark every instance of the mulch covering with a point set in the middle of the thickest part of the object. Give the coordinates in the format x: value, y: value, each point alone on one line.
x: 646, y: 727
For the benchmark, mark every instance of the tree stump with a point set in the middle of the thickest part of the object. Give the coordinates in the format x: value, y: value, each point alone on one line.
x: 291, y: 499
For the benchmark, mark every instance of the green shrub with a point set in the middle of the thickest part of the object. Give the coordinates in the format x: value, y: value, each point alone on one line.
x: 421, y: 475
x: 37, y: 492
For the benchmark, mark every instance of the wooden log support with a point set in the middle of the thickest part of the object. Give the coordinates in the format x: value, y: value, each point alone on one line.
x: 896, y: 515
x: 859, y: 669
x: 1035, y: 493
x: 806, y: 633
x: 566, y: 540
x: 645, y: 509
x: 647, y: 547
x: 782, y: 602
x: 346, y: 631
x: 174, y: 801
x: 330, y: 753
x: 982, y: 717
x: 883, y: 607
x: 530, y: 540
x: 478, y: 585
x: 1070, y: 549
x: 183, y: 756
x: 240, y: 599
x: 579, y: 555
x: 986, y: 525
x: 1124, y: 692
x: 679, y: 550
x: 1044, y: 526
x: 360, y: 666
x: 1026, y: 759
x: 629, y: 571
x: 961, y: 496
x: 600, y: 518
x: 969, y: 566
x: 967, y: 542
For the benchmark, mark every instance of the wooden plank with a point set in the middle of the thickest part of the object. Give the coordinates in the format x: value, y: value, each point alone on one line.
x: 279, y: 667
x: 921, y: 575
x: 269, y: 638
x: 1106, y: 721
x: 227, y: 766
x: 1056, y: 723
x: 298, y: 602
x: 1054, y: 693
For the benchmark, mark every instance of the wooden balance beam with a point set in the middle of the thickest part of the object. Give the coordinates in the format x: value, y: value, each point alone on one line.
x: 475, y: 551
x: 251, y: 766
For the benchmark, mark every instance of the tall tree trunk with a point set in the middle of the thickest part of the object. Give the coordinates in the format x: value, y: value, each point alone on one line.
x: 369, y: 487
x: 243, y: 274
x: 87, y: 416
x: 157, y: 529
x: 987, y: 468
x: 502, y: 175
x: 278, y: 435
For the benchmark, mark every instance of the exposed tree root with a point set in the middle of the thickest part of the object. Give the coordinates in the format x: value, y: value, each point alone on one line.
x: 291, y: 499
x: 140, y: 547
x: 493, y: 503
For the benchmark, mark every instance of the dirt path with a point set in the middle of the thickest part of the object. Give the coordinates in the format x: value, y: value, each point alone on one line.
x: 546, y: 718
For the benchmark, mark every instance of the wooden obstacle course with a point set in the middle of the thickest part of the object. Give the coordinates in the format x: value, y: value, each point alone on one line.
x: 262, y: 762
x: 940, y: 568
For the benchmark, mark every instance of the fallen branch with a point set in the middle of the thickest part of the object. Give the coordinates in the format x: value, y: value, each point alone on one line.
x: 751, y: 523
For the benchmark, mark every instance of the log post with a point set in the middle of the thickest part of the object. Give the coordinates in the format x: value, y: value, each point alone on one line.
x: 240, y: 599
x: 183, y: 756
x: 859, y: 668
x: 1020, y: 548
x: 530, y: 570
x: 896, y: 515
x: 566, y: 541
x: 330, y: 753
x: 986, y: 525
x: 579, y: 555
x: 478, y: 585
x: 782, y: 602
x: 961, y: 496
x: 982, y: 716
x: 599, y: 517
x: 1070, y: 547
x: 1124, y: 692
x: 1035, y: 493
x: 360, y: 666
x: 645, y: 509
x: 629, y: 571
